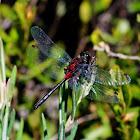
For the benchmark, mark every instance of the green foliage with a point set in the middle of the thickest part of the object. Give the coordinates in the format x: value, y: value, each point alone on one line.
x: 44, y: 128
x: 12, y: 119
x: 20, y: 132
x: 104, y: 4
x: 73, y: 132
x: 134, y: 6
x: 61, y: 132
x: 7, y: 117
x: 62, y: 112
x: 85, y: 11
x: 98, y: 21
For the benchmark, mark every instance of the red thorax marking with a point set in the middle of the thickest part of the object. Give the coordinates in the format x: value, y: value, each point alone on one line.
x: 71, y: 68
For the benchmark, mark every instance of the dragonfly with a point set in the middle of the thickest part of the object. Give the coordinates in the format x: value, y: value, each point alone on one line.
x: 82, y: 73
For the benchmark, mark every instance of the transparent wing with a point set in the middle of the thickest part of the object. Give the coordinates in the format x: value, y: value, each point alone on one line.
x: 94, y: 91
x: 86, y: 82
x: 104, y: 77
x: 102, y: 93
x: 111, y: 78
x: 49, y: 66
x: 47, y: 47
x: 49, y: 58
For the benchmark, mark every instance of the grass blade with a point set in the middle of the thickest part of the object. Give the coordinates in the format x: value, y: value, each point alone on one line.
x: 136, y: 135
x: 5, y: 125
x: 2, y: 62
x: 74, y: 105
x: 60, y: 104
x: 11, y: 122
x: 45, y: 128
x: 63, y: 96
x: 0, y: 131
x: 61, y: 133
x: 20, y: 131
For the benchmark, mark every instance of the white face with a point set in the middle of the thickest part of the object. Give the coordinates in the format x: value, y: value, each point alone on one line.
x: 86, y: 58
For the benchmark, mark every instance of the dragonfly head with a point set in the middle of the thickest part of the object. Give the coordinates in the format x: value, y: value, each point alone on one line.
x: 85, y: 56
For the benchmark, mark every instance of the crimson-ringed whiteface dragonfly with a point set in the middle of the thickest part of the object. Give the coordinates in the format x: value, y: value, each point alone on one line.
x: 81, y: 73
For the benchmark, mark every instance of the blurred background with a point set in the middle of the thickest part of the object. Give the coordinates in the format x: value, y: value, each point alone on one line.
x: 107, y: 29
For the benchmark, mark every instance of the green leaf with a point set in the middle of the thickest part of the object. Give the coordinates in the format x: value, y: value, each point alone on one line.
x: 61, y: 133
x: 136, y: 135
x: 133, y: 114
x: 6, y: 38
x: 20, y: 10
x: 2, y: 111
x: 138, y: 17
x: 5, y: 125
x: 35, y: 115
x: 26, y: 136
x: 74, y: 105
x: 2, y: 62
x: 7, y: 12
x: 110, y: 38
x: 136, y: 93
x: 14, y: 35
x: 127, y: 94
x: 97, y: 132
x: 12, y: 82
x: 100, y: 5
x: 0, y: 130
x: 61, y: 8
x: 12, y: 119
x: 52, y: 127
x: 13, y: 76
x: 20, y: 131
x: 123, y: 26
x: 85, y: 11
x: 44, y: 128
x: 76, y: 99
x: 96, y: 36
x: 134, y: 6
x: 73, y: 132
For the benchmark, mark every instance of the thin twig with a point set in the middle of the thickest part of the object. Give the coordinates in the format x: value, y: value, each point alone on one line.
x: 106, y: 49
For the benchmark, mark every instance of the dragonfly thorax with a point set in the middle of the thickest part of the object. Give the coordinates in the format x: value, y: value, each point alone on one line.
x: 75, y: 64
x: 72, y: 68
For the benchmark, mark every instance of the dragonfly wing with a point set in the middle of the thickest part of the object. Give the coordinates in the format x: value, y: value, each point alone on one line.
x: 102, y: 93
x: 84, y: 86
x: 49, y: 66
x: 111, y: 78
x: 106, y: 77
x: 92, y: 82
x: 48, y: 47
x: 49, y: 58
